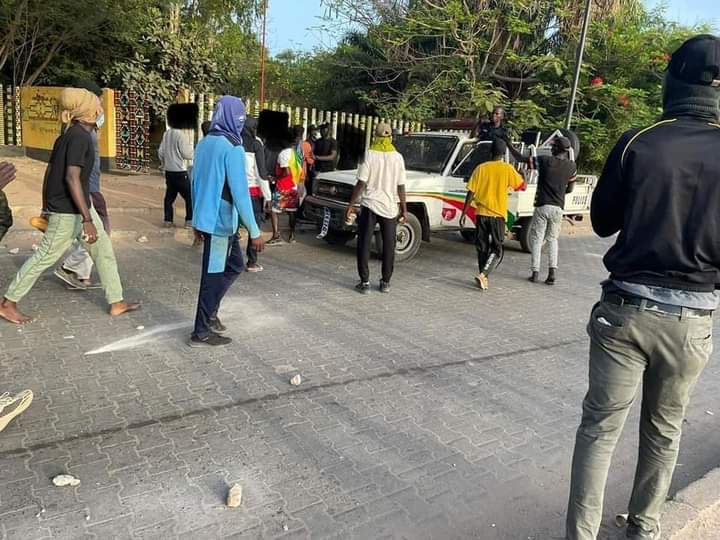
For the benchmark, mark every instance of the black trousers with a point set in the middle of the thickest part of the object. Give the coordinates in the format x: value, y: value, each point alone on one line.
x: 221, y: 266
x: 177, y: 183
x: 489, y: 238
x: 388, y: 229
x: 6, y: 218
x: 257, y: 204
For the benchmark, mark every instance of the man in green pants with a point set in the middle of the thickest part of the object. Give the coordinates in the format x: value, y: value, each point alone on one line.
x: 66, y: 197
x: 7, y: 175
x: 653, y: 326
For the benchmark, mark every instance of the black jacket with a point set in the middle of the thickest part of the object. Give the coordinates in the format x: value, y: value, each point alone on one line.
x: 660, y: 189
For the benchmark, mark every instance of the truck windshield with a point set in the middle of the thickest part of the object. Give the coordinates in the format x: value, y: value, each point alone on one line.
x: 425, y: 153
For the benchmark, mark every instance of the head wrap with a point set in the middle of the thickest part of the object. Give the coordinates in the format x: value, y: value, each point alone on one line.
x: 77, y: 104
x: 228, y: 119
x: 382, y: 141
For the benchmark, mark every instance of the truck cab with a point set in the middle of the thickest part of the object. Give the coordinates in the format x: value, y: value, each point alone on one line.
x: 438, y: 166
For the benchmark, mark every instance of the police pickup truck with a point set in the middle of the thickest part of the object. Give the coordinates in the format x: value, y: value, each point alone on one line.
x: 439, y: 165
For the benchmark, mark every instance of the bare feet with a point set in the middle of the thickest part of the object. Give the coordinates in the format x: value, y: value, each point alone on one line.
x: 10, y: 312
x: 119, y: 308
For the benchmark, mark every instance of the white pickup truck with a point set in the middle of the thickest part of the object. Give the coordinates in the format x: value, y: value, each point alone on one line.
x: 438, y: 166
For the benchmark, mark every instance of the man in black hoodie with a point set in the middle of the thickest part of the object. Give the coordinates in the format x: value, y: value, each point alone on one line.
x: 653, y: 325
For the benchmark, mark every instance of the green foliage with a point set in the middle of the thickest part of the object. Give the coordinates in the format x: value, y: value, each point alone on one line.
x: 458, y: 58
x: 166, y: 62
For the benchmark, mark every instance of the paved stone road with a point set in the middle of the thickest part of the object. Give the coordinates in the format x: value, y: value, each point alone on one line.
x: 434, y: 412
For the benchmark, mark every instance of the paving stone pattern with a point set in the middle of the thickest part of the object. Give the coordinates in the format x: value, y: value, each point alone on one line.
x: 436, y: 411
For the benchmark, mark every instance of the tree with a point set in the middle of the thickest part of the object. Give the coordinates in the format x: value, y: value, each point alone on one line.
x: 461, y: 57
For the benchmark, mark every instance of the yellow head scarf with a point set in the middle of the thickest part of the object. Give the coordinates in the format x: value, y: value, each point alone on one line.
x: 78, y: 104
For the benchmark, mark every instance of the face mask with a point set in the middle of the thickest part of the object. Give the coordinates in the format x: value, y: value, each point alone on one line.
x: 100, y: 120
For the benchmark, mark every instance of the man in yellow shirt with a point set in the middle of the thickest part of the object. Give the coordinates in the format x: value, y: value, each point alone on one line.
x: 488, y: 195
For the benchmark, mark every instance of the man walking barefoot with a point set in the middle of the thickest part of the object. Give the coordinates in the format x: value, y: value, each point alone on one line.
x: 653, y: 325
x: 66, y: 196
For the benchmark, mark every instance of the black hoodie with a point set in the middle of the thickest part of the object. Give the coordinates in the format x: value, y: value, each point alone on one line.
x: 660, y: 189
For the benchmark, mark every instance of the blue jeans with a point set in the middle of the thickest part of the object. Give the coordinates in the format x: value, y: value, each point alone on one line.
x: 221, y: 266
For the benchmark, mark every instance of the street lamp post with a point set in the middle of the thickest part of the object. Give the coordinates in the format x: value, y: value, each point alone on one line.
x: 262, y: 53
x: 578, y: 64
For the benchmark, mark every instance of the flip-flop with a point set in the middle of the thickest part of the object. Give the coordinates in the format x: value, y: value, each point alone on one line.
x: 23, y: 400
x: 69, y: 279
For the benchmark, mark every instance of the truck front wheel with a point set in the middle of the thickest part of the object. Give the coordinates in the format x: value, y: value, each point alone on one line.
x: 338, y: 238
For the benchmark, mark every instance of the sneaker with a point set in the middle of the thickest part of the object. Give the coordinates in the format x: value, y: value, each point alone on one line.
x: 363, y: 287
x: 254, y: 268
x: 212, y: 340
x: 168, y: 224
x: 217, y: 327
x: 635, y: 532
x: 70, y: 278
x: 534, y: 277
x: 21, y: 401
x: 384, y: 286
x: 482, y: 281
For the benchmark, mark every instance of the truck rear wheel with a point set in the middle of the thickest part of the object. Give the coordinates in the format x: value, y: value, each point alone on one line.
x: 522, y: 233
x: 409, y: 238
x: 468, y: 235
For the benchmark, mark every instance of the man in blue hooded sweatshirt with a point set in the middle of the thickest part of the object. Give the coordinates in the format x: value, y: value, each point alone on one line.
x: 221, y: 202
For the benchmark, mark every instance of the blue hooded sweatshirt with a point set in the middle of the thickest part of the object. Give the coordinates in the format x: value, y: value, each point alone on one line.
x: 221, y: 200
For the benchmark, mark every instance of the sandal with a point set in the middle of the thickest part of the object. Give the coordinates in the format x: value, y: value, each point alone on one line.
x: 23, y: 400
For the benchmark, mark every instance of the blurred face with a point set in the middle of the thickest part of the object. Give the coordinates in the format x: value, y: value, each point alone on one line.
x: 324, y: 131
x: 498, y: 116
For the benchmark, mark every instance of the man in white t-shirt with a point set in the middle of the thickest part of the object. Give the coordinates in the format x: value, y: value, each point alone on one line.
x: 381, y: 190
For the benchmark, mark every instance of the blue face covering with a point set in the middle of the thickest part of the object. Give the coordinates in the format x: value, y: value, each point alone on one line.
x: 100, y: 120
x: 228, y: 119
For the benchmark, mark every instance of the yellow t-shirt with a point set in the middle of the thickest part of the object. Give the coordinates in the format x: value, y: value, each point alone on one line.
x: 490, y: 183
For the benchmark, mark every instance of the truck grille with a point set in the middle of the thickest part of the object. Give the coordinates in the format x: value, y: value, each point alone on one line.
x: 334, y: 190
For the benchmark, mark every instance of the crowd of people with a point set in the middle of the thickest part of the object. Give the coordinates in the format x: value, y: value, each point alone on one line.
x: 658, y: 191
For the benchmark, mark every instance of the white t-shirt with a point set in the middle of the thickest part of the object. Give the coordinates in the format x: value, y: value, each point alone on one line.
x: 383, y: 172
x: 284, y: 158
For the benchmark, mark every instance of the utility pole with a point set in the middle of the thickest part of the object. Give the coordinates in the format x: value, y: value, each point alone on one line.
x: 262, y: 53
x: 578, y: 65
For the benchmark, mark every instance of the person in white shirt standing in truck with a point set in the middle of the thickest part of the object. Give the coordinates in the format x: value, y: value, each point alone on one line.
x: 381, y: 190
x: 175, y: 151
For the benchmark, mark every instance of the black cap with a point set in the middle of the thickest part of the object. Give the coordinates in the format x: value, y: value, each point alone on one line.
x: 562, y: 142
x: 697, y: 61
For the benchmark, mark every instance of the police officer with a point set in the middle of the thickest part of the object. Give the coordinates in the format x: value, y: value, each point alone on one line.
x: 653, y: 325
x: 494, y: 129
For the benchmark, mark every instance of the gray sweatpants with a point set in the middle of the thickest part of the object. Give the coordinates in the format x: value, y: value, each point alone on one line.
x: 545, y: 227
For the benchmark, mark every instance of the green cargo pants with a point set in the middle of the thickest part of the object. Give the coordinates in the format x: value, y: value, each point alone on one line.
x: 62, y: 230
x: 629, y: 346
x: 6, y: 219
